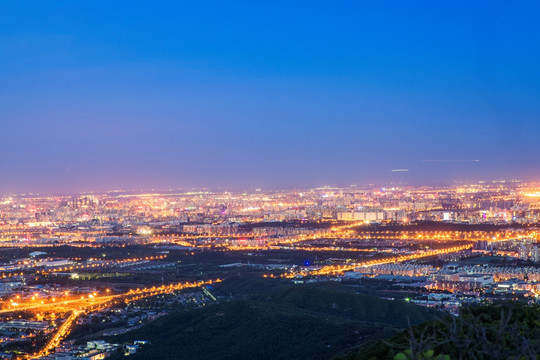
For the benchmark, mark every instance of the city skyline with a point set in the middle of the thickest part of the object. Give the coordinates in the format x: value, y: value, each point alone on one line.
x: 98, y: 96
x: 254, y: 190
x: 269, y: 180
x: 115, y: 274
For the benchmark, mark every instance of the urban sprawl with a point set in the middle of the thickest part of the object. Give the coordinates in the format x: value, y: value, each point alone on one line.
x: 79, y: 269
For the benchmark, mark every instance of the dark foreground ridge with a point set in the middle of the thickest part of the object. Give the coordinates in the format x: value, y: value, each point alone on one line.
x: 509, y: 330
x: 282, y: 322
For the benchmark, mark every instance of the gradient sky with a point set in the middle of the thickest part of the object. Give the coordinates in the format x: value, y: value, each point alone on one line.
x: 101, y: 95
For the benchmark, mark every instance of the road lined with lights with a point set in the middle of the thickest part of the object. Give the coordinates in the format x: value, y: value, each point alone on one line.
x: 97, y: 303
x: 67, y: 305
x: 60, y: 334
x: 338, y: 269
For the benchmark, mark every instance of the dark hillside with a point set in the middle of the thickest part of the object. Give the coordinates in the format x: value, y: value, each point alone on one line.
x: 299, y: 322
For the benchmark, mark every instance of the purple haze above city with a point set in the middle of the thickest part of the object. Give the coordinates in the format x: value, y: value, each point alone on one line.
x: 100, y: 95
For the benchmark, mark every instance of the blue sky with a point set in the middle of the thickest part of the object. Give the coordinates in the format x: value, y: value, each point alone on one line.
x: 100, y: 95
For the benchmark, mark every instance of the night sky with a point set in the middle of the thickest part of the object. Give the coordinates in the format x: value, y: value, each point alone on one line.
x: 102, y: 95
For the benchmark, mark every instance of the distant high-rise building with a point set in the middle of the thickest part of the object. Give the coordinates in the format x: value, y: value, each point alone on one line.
x: 482, y: 245
x: 535, y: 254
x: 524, y: 252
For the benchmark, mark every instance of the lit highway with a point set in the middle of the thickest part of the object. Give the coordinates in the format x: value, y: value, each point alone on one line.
x: 92, y: 303
x: 337, y: 269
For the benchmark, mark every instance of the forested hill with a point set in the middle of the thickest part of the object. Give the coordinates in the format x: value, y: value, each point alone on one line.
x: 507, y: 330
x: 288, y: 322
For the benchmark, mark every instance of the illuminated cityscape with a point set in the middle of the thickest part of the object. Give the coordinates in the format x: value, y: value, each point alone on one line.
x: 246, y: 180
x: 70, y: 259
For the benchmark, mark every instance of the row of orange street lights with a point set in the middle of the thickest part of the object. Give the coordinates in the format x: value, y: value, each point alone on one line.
x: 339, y: 269
x: 107, y: 264
x: 96, y: 303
